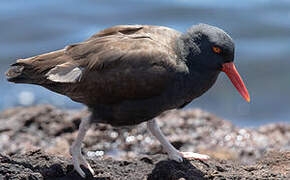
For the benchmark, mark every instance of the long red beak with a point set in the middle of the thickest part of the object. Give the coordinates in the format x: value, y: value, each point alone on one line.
x: 232, y: 73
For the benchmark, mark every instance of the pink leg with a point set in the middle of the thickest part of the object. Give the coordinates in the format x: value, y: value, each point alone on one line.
x: 75, y: 150
x: 173, y: 153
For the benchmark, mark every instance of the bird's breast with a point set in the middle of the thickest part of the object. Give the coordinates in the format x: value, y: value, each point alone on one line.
x: 196, y: 84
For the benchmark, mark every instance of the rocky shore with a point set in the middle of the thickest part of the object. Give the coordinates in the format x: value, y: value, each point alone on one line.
x: 34, y: 143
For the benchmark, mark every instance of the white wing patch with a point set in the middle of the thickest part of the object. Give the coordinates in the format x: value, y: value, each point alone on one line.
x: 66, y: 73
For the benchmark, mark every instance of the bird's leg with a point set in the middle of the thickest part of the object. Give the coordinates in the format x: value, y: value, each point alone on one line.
x: 75, y: 149
x: 172, y: 152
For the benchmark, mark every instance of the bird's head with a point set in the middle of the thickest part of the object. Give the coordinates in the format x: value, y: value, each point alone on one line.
x: 210, y: 48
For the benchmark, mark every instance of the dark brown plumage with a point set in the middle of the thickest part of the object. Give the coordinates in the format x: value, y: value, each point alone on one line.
x: 120, y: 63
x: 130, y: 74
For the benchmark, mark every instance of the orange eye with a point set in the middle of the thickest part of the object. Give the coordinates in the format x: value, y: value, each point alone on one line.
x: 216, y: 49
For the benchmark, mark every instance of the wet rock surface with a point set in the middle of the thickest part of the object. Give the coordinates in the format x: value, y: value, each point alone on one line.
x: 132, y: 153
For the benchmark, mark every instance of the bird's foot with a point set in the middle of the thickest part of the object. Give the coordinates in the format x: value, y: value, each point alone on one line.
x: 78, y: 160
x: 175, y: 155
x: 178, y: 156
x: 85, y: 163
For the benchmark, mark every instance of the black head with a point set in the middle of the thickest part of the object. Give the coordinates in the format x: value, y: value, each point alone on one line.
x: 208, y: 46
x: 209, y: 50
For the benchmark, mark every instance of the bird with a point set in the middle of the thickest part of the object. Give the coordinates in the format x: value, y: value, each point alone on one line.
x: 130, y: 74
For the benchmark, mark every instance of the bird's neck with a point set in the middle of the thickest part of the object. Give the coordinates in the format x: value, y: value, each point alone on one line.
x: 198, y: 78
x: 198, y: 81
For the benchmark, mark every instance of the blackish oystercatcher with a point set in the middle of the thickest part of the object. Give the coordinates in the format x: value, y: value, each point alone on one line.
x: 130, y: 74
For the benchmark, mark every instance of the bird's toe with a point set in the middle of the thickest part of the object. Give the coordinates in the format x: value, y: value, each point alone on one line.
x: 77, y: 166
x: 195, y: 156
x: 175, y: 156
x: 85, y: 163
x: 81, y: 172
x: 90, y: 169
x: 78, y: 160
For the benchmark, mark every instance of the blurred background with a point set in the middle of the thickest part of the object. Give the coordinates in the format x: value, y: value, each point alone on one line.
x: 261, y: 30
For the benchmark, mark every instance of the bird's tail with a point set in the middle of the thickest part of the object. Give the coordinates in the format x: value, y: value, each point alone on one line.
x: 15, y: 74
x: 32, y: 70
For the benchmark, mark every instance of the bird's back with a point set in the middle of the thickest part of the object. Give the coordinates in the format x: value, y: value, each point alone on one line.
x: 117, y: 64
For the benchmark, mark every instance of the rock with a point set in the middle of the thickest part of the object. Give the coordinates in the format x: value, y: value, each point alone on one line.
x: 39, y: 165
x: 236, y: 150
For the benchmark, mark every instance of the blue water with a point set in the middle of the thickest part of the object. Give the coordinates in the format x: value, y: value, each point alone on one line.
x: 261, y: 30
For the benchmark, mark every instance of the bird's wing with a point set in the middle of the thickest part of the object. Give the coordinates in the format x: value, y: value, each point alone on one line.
x: 122, y: 62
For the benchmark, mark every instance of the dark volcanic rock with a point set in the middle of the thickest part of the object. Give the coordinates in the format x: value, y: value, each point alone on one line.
x: 52, y: 129
x: 38, y: 165
x: 236, y: 150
